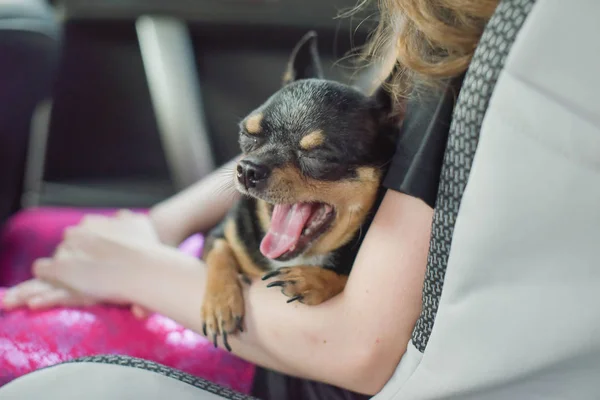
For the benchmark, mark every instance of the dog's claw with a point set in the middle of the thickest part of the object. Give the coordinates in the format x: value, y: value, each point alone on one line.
x: 239, y: 324
x: 270, y: 274
x: 299, y: 297
x: 215, y: 340
x: 204, y: 329
x: 225, y: 342
x: 276, y: 283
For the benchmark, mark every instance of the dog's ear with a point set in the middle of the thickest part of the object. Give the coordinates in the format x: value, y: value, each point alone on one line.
x: 390, y: 110
x: 384, y: 100
x: 304, y: 62
x: 389, y: 115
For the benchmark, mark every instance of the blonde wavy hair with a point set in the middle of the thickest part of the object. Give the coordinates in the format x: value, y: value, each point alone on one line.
x: 425, y: 42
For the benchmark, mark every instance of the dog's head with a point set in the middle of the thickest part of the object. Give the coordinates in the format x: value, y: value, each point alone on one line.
x: 314, y: 152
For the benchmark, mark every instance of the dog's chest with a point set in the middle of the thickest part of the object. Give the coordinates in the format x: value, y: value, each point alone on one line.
x: 316, y: 261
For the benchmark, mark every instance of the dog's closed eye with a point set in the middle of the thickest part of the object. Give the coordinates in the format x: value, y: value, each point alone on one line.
x: 249, y: 142
x: 312, y: 140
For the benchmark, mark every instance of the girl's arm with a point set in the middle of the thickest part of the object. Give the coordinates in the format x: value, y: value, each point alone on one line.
x: 197, y: 208
x: 354, y: 340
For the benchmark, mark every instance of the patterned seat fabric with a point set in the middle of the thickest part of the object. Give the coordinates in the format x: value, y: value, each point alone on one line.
x: 195, y: 381
x: 469, y: 112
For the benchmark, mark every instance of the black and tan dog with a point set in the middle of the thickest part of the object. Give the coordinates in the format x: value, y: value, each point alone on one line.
x: 313, y: 159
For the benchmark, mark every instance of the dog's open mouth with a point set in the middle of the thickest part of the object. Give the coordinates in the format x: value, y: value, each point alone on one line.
x: 294, y: 227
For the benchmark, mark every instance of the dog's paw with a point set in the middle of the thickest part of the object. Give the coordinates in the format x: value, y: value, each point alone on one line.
x: 308, y: 285
x: 223, y: 312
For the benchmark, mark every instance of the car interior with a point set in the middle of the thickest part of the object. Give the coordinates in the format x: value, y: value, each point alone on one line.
x: 143, y: 97
x: 109, y: 104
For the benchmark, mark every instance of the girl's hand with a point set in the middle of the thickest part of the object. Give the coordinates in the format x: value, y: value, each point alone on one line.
x: 129, y: 224
x: 39, y: 294
x: 98, y: 245
x: 124, y: 224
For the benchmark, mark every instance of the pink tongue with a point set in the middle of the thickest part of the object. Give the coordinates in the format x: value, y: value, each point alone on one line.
x: 286, y: 227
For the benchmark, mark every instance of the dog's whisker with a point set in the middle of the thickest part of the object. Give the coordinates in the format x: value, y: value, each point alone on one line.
x: 226, y: 172
x: 360, y: 231
x: 360, y: 227
x: 349, y: 219
x: 227, y: 188
x: 228, y: 192
x: 227, y: 182
x: 385, y: 164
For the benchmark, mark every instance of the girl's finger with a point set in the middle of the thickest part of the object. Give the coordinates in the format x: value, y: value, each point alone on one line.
x: 48, y: 299
x: 69, y: 231
x: 61, y: 251
x: 42, y: 268
x: 58, y: 269
x: 80, y: 274
x: 20, y: 294
x: 92, y: 219
x: 58, y: 297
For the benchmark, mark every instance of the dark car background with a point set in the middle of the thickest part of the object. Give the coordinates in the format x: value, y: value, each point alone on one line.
x: 120, y: 103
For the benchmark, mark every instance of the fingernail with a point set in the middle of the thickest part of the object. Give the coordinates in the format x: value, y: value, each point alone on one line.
x: 37, y: 303
x: 138, y: 313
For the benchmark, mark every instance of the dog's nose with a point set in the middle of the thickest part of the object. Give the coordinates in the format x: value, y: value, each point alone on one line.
x: 252, y: 174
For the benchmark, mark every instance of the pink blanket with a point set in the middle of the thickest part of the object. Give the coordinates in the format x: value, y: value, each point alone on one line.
x: 31, y: 340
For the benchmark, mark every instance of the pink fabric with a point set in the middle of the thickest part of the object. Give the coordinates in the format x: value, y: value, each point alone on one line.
x: 32, y: 234
x: 31, y: 340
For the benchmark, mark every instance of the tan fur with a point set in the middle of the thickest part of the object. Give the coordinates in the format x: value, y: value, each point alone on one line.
x: 352, y: 199
x: 288, y: 76
x: 264, y: 216
x: 253, y: 124
x: 245, y: 263
x: 315, y: 285
x: 312, y: 140
x: 223, y: 299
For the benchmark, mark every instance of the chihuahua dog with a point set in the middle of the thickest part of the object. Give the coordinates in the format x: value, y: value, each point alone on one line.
x: 313, y: 157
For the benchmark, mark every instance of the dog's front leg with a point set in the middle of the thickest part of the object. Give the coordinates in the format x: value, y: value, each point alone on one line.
x: 223, y: 306
x: 307, y: 284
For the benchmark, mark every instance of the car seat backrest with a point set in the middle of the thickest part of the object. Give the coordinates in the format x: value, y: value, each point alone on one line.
x: 29, y: 57
x: 509, y: 300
